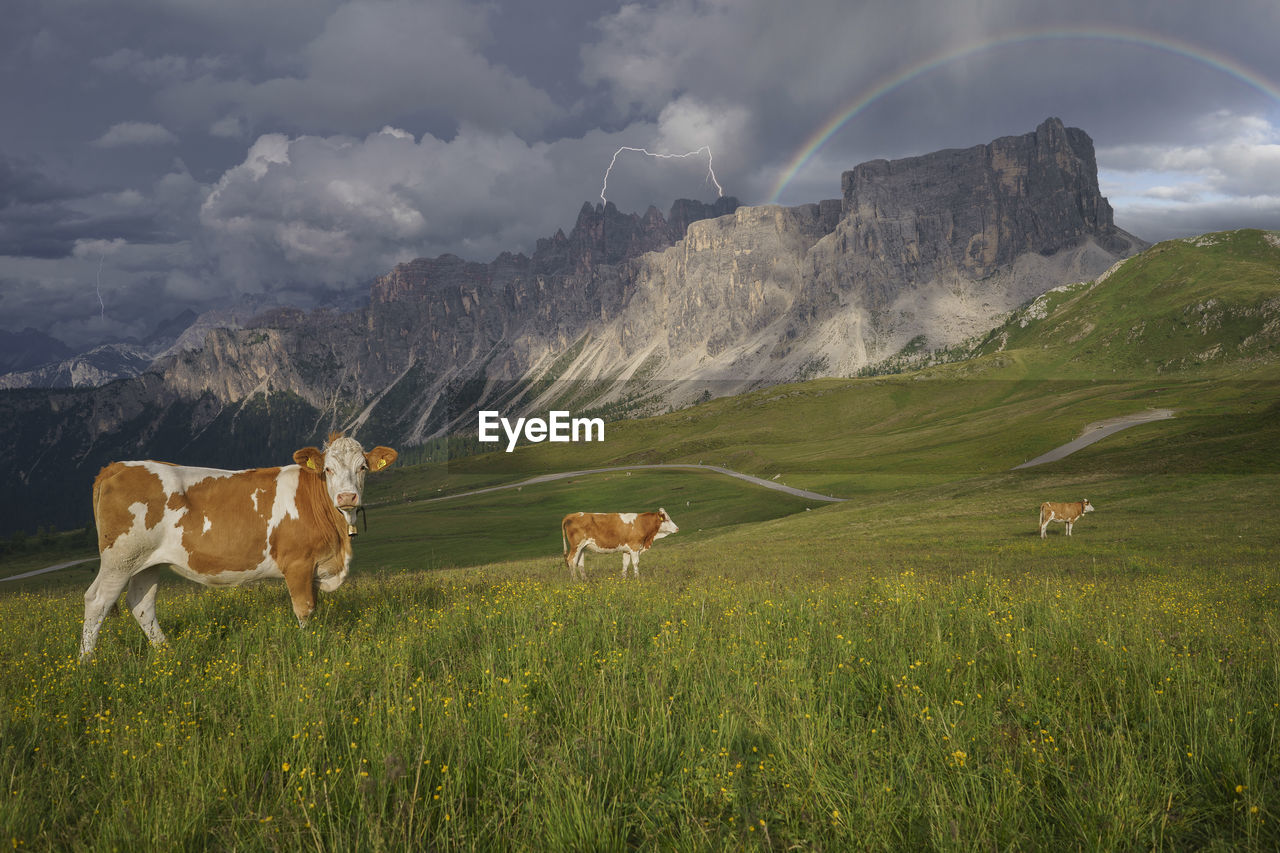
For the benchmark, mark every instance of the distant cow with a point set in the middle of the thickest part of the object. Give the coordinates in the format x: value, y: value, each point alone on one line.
x: 610, y: 532
x: 222, y: 528
x: 1067, y: 513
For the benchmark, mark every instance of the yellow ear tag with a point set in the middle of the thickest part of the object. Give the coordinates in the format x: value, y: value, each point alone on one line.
x: 382, y: 463
x: 311, y: 463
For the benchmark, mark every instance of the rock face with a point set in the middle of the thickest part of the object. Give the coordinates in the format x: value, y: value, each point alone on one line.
x: 932, y: 249
x: 924, y: 252
x: 975, y: 210
x: 626, y: 314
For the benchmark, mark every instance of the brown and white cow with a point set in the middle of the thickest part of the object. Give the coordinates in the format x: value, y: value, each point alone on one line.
x: 1067, y: 513
x: 223, y: 528
x: 609, y: 532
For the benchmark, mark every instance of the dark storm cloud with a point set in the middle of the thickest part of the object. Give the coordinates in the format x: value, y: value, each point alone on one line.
x: 22, y: 183
x: 43, y: 218
x: 165, y: 154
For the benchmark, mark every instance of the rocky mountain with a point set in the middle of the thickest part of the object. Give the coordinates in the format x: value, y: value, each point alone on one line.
x: 36, y: 360
x: 623, y: 315
x: 27, y: 349
x: 94, y: 367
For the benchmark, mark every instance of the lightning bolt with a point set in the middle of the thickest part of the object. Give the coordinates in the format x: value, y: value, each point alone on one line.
x: 665, y: 156
x: 102, y: 308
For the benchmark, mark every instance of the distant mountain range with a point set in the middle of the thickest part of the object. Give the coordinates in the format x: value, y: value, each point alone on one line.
x: 627, y: 314
x: 27, y: 349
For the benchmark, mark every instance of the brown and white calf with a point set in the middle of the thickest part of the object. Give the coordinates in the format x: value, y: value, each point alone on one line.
x: 1067, y: 513
x: 609, y: 532
x: 223, y: 528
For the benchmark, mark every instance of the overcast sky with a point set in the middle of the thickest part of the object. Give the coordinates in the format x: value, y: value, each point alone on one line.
x: 157, y: 155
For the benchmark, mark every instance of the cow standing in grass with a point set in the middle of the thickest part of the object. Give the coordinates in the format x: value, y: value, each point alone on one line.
x: 1067, y: 513
x: 222, y: 528
x: 609, y: 532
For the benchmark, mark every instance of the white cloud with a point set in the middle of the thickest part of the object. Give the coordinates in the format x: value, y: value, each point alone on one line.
x: 1241, y: 157
x: 335, y: 211
x: 127, y: 133
x: 88, y: 248
x: 689, y: 123
x: 1189, y: 192
x: 1228, y: 178
x: 338, y: 210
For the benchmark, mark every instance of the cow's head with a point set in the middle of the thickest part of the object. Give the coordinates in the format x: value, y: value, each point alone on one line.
x: 1086, y: 506
x: 667, y: 527
x: 343, y: 463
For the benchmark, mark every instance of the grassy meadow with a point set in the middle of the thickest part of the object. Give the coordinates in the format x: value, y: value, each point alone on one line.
x: 890, y: 677
x: 913, y: 668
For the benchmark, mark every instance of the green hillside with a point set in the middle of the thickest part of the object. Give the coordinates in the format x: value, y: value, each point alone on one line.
x: 1205, y: 307
x: 524, y: 523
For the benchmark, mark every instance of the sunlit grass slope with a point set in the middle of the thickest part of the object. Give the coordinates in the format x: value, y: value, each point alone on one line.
x: 525, y: 522
x: 1207, y: 306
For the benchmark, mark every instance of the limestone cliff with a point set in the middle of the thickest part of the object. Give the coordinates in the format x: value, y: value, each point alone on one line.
x: 925, y: 251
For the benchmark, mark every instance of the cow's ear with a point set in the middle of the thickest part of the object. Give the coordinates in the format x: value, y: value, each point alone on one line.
x: 310, y: 458
x: 380, y: 457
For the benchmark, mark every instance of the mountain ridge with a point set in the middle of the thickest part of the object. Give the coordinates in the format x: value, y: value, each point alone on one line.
x: 627, y: 313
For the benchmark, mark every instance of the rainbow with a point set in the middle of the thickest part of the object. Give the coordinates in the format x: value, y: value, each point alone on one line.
x: 838, y: 119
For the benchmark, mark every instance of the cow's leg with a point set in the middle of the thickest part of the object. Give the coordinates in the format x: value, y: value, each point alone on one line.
x: 635, y: 564
x: 1068, y: 527
x: 142, y: 603
x: 102, y: 593
x: 302, y: 591
x: 580, y: 561
x: 573, y: 558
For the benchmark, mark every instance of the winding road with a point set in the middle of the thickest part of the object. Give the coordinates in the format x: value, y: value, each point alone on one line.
x: 46, y: 569
x: 1097, y: 431
x: 547, y: 478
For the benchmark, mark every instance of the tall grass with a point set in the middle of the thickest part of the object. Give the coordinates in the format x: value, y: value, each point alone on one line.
x: 728, y: 703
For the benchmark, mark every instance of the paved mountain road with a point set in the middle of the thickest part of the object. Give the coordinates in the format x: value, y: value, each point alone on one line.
x: 1096, y: 432
x: 547, y: 478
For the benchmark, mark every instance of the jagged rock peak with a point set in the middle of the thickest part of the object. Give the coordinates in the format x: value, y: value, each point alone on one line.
x: 983, y: 206
x: 603, y: 234
x: 416, y: 277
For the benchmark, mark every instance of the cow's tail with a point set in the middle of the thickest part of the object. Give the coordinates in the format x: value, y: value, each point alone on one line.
x: 98, y: 482
x: 564, y: 541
